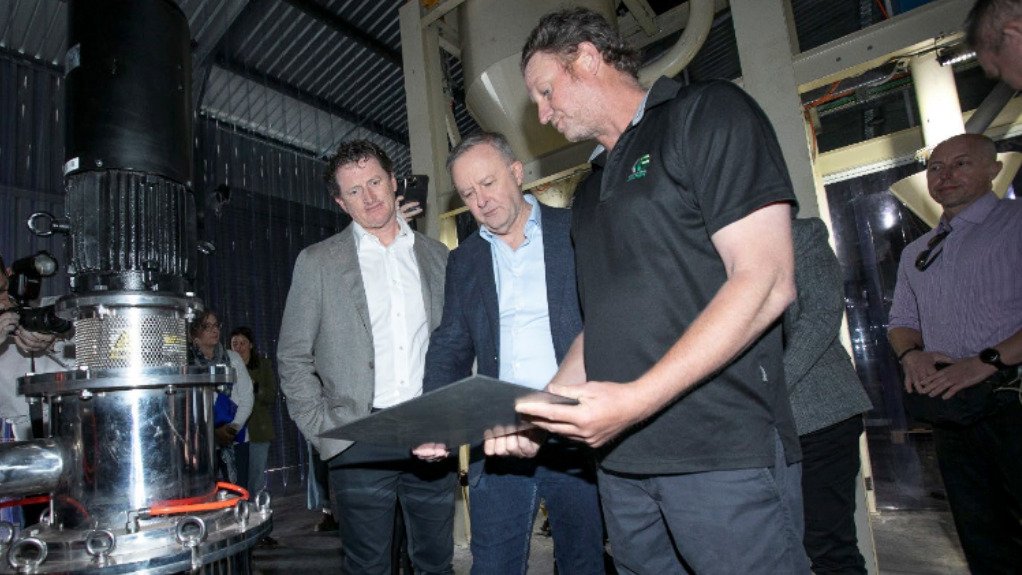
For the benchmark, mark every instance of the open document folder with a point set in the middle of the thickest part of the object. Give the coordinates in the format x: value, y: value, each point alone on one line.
x: 465, y: 411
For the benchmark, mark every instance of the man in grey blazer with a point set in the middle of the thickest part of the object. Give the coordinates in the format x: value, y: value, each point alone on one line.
x: 353, y: 339
x: 827, y: 402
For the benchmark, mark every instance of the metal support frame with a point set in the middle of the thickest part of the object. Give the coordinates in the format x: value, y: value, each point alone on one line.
x: 343, y: 27
x: 282, y: 87
x: 201, y: 57
x: 763, y: 32
x: 427, y: 111
x: 643, y: 14
x: 428, y: 125
x: 903, y: 35
x: 665, y: 24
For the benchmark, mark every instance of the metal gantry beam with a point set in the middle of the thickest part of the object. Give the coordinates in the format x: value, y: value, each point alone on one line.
x: 279, y: 85
x: 345, y: 28
x: 924, y: 27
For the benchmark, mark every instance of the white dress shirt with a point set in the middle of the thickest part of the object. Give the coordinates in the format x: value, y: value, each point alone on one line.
x: 15, y: 364
x: 390, y: 276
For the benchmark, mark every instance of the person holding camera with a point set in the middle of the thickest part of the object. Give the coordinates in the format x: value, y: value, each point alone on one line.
x: 21, y: 351
x: 232, y: 407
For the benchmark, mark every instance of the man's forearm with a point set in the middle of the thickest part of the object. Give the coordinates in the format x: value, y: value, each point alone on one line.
x: 572, y: 370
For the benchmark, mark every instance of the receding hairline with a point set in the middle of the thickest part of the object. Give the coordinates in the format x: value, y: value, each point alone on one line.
x: 495, y: 140
x: 986, y: 147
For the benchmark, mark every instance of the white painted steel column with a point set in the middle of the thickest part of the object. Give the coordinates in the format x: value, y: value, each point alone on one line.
x: 427, y: 104
x: 767, y: 45
x: 764, y: 35
x: 940, y: 113
x: 427, y: 134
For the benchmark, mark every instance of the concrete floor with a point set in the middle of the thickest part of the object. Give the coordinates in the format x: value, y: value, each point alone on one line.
x: 907, y: 543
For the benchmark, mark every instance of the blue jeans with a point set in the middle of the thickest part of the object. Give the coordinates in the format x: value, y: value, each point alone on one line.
x: 366, y: 483
x: 745, y: 521
x: 258, y: 453
x: 504, y: 496
x: 317, y: 495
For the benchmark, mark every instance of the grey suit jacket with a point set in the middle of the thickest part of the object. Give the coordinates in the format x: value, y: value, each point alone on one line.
x: 325, y: 353
x: 822, y: 384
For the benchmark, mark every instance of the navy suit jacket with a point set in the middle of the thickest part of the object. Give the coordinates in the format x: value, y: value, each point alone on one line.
x: 470, y: 328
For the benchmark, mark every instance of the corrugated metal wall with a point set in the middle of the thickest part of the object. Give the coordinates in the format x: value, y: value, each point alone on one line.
x: 31, y: 155
x: 278, y: 206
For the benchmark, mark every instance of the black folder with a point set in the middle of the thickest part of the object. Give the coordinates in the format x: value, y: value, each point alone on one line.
x: 467, y: 411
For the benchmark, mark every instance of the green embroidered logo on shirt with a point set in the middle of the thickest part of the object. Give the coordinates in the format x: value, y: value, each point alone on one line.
x: 639, y: 168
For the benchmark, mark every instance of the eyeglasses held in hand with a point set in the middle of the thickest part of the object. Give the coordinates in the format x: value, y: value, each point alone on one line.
x: 924, y: 260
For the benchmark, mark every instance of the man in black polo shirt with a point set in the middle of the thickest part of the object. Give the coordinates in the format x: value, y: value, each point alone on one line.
x: 684, y: 258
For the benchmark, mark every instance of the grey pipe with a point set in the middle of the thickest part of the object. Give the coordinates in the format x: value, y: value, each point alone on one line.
x: 31, y: 467
x: 697, y: 29
x: 989, y: 108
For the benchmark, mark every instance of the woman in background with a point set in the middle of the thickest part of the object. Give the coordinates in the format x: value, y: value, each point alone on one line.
x: 234, y: 405
x: 260, y: 424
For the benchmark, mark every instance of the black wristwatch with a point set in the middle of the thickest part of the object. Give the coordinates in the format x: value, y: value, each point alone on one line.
x: 992, y: 357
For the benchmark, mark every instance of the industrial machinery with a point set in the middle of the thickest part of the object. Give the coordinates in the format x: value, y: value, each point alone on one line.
x: 127, y: 462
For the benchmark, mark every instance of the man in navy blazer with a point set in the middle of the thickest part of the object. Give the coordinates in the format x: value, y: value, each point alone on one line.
x: 511, y: 306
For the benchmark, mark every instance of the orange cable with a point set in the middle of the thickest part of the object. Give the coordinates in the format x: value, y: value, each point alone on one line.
x: 173, y: 509
x: 25, y: 501
x: 883, y: 11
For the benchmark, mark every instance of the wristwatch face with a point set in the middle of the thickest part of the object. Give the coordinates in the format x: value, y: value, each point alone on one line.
x: 990, y: 355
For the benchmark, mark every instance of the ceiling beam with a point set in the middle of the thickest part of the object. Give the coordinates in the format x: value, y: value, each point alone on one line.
x: 670, y: 22
x: 202, y: 54
x: 922, y: 28
x: 279, y: 85
x: 225, y: 14
x: 345, y: 28
x: 643, y: 15
x: 35, y: 63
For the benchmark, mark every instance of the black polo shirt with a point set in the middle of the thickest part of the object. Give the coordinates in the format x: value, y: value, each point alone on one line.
x: 701, y: 157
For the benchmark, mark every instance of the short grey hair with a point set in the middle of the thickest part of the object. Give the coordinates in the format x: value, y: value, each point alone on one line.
x: 495, y: 139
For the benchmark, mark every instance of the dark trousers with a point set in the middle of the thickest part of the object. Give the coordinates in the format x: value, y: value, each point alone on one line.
x: 366, y: 483
x: 746, y: 521
x: 241, y: 458
x: 830, y: 464
x: 981, y: 465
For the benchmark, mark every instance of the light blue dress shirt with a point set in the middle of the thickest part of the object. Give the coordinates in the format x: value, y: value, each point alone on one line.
x: 526, y: 346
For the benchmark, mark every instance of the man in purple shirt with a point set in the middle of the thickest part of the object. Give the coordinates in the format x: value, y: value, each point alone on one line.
x: 956, y: 322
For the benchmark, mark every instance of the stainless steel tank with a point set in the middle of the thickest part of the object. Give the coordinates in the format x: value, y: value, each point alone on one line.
x: 127, y: 459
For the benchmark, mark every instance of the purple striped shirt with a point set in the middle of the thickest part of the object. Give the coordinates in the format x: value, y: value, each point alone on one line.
x: 970, y: 297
